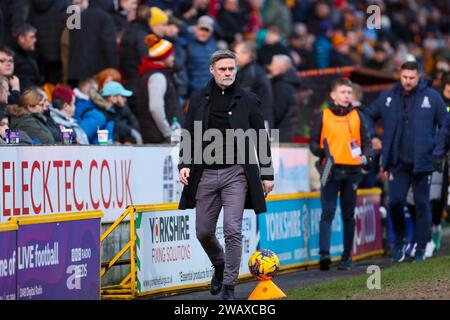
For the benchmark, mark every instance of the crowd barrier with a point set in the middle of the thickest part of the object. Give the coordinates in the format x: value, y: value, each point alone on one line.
x: 170, y: 259
x: 53, y: 257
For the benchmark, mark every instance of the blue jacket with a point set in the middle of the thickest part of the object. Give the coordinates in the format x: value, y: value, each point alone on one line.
x: 428, y: 127
x: 90, y: 118
x: 197, y: 62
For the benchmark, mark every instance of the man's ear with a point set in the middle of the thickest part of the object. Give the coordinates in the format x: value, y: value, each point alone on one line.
x: 332, y: 95
x: 211, y: 69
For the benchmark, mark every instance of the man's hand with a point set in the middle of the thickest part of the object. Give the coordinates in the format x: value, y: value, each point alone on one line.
x: 376, y: 144
x: 14, y: 83
x: 267, y: 186
x: 438, y: 164
x: 184, y: 175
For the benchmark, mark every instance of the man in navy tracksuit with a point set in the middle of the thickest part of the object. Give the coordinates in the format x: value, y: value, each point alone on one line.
x: 413, y: 147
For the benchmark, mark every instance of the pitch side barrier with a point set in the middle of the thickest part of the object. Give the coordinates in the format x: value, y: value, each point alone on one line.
x: 168, y: 259
x: 54, y: 257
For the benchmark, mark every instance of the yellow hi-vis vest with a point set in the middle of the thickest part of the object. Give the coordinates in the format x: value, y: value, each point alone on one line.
x: 339, y: 131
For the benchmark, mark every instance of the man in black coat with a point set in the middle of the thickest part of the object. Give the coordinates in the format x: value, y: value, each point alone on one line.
x: 252, y: 77
x: 219, y: 176
x: 25, y: 64
x: 49, y: 18
x: 92, y: 48
x: 285, y: 85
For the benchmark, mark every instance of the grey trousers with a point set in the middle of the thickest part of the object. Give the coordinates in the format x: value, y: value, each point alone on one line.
x: 225, y: 188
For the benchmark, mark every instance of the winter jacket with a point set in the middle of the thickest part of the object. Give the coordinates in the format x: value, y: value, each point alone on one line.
x: 34, y: 124
x: 91, y: 118
x: 92, y: 47
x: 132, y: 48
x: 428, y: 115
x: 252, y: 77
x: 245, y: 114
x: 285, y: 88
x: 231, y: 23
x: 69, y: 123
x: 49, y: 18
x: 267, y: 51
x: 126, y: 122
x: 276, y: 12
x: 197, y: 61
x: 26, y: 68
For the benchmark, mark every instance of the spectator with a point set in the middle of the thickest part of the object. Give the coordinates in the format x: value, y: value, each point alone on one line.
x: 127, y: 126
x: 231, y: 21
x: 91, y: 51
x: 322, y: 46
x: 276, y: 12
x: 272, y: 46
x: 200, y: 46
x: 252, y: 77
x: 341, y: 50
x: 126, y: 13
x: 179, y: 43
x: 285, y: 85
x: 378, y: 60
x: 4, y: 93
x: 446, y: 90
x: 51, y: 124
x: 168, y: 6
x: 27, y: 116
x: 63, y: 110
x: 300, y: 48
x: 25, y: 64
x: 49, y: 17
x: 158, y: 21
x: 12, y: 15
x: 107, y: 75
x: 92, y: 116
x: 7, y: 70
x: 133, y: 47
x: 157, y: 99
x: 4, y: 125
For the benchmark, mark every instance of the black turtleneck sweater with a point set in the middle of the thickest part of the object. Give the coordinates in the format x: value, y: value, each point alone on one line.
x: 220, y: 102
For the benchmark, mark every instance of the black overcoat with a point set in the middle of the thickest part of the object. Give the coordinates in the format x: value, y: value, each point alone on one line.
x: 244, y: 113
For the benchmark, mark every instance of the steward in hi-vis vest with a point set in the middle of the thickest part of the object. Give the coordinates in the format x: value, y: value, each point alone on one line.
x: 341, y: 141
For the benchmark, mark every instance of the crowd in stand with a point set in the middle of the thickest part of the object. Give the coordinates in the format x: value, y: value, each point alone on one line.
x: 131, y: 66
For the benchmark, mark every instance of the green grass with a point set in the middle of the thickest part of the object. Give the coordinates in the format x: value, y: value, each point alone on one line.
x: 399, y: 276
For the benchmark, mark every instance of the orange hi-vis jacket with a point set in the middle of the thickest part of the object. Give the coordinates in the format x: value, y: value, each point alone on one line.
x: 339, y: 132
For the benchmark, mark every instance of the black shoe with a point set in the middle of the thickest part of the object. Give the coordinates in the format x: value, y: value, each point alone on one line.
x: 216, y: 281
x: 324, y: 262
x: 345, y: 263
x: 227, y: 293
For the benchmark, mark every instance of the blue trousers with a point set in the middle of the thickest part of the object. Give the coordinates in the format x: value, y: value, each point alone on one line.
x: 401, y: 178
x: 347, y: 184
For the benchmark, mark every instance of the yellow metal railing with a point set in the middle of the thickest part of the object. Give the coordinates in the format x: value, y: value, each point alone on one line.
x: 126, y: 289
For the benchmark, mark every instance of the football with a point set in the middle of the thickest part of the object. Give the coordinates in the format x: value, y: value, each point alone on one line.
x: 264, y: 264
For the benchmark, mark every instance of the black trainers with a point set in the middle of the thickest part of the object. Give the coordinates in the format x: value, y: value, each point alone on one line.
x: 345, y: 263
x: 324, y: 262
x: 227, y: 293
x: 216, y: 281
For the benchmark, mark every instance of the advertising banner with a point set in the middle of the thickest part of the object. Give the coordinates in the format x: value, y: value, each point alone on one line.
x: 8, y: 261
x: 53, y: 179
x: 368, y: 233
x: 290, y: 228
x: 59, y: 260
x: 169, y: 256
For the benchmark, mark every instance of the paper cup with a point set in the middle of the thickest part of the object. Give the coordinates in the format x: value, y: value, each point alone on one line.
x: 102, y: 137
x: 67, y: 136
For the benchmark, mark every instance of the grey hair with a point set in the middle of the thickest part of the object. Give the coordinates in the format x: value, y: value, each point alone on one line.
x: 285, y: 59
x: 222, y: 54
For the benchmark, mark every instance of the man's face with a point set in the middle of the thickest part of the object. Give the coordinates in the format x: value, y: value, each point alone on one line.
x: 243, y: 57
x: 409, y: 79
x: 69, y: 108
x: 202, y: 34
x: 129, y: 5
x: 4, y: 92
x: 342, y: 95
x: 447, y: 91
x: 27, y: 42
x: 6, y: 65
x: 224, y: 72
x: 118, y: 101
x: 160, y: 30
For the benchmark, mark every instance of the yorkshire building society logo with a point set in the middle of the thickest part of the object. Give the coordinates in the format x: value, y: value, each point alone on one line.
x: 169, y: 228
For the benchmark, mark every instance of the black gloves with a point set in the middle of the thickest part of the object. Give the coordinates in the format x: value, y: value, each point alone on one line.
x: 438, y: 163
